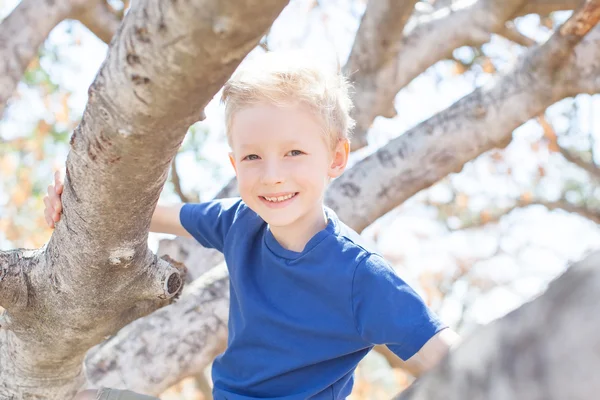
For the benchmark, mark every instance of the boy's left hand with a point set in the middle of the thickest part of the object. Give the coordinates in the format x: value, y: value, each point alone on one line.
x: 53, y: 201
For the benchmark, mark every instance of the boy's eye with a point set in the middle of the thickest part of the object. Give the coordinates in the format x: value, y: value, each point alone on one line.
x: 251, y: 157
x: 295, y: 153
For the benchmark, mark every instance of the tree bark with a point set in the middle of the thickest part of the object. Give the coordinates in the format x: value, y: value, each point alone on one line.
x: 546, y: 349
x: 19, y: 46
x: 96, y: 274
x: 377, y: 43
x: 427, y: 43
x: 171, y: 344
x: 478, y: 122
x: 99, y: 19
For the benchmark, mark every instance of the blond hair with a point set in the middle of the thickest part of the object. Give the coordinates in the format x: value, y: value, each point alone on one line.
x: 286, y: 78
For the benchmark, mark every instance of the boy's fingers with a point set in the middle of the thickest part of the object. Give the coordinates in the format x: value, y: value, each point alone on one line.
x: 58, y: 178
x: 52, y: 194
x: 48, y: 205
x: 48, y: 219
x: 59, y: 188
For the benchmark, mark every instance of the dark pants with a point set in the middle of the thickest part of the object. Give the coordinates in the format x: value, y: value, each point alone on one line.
x: 114, y: 394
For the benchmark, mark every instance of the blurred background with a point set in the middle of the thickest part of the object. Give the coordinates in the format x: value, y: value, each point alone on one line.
x: 476, y: 245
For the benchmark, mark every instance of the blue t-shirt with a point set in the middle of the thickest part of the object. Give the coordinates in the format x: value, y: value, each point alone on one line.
x: 299, y: 323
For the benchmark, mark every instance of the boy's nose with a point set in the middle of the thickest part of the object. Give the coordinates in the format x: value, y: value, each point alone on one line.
x: 272, y: 174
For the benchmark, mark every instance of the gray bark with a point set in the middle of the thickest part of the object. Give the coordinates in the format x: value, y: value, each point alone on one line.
x: 173, y: 343
x: 547, y: 349
x: 99, y: 19
x: 477, y: 123
x: 377, y: 43
x: 19, y: 46
x: 424, y: 45
x: 96, y: 274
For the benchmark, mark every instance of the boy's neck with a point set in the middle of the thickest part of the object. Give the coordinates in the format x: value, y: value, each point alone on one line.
x: 294, y: 237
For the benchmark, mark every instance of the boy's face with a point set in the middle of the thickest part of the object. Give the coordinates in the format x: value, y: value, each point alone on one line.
x: 283, y: 163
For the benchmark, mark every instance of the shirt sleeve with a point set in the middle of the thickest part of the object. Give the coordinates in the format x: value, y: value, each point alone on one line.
x: 209, y: 222
x: 388, y: 311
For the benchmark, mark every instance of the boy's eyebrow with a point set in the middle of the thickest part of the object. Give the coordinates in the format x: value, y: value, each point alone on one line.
x: 253, y: 146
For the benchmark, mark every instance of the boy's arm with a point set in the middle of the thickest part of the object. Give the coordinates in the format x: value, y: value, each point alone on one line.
x: 432, y: 352
x: 388, y: 311
x: 166, y: 220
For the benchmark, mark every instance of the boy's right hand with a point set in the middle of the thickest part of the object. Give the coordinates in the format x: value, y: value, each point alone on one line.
x: 53, y: 201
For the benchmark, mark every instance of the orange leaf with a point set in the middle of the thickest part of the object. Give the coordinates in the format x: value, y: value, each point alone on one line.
x: 526, y: 197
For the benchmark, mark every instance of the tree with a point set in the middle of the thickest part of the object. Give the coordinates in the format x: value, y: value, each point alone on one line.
x: 162, y: 69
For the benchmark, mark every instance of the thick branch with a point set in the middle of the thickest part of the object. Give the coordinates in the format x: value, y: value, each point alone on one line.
x: 378, y: 36
x: 479, y: 122
x: 21, y: 34
x: 428, y: 43
x: 542, y: 349
x: 155, y: 352
x: 99, y: 19
x: 140, y: 106
x: 377, y: 43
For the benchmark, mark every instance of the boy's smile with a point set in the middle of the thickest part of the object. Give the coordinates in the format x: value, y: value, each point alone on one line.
x: 283, y: 162
x: 278, y: 200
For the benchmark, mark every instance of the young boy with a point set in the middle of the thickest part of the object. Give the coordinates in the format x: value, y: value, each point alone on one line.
x: 308, y: 300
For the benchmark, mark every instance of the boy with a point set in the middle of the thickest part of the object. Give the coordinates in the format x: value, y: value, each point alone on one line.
x: 308, y: 301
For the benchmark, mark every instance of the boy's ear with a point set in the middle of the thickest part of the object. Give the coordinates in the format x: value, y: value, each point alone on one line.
x: 232, y: 161
x: 340, y: 158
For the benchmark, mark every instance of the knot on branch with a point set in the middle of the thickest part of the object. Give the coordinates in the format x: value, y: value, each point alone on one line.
x: 168, y: 277
x: 15, y: 266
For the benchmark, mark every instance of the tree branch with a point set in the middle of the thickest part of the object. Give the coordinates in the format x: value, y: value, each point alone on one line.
x: 429, y: 42
x: 545, y: 7
x: 99, y: 19
x: 377, y: 43
x: 177, y: 182
x: 550, y: 135
x: 21, y: 34
x: 153, y: 353
x: 138, y: 114
x: 516, y: 349
x: 511, y: 33
x: 561, y: 204
x: 478, y: 122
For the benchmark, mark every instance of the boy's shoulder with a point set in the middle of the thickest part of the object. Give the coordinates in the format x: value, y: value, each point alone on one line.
x: 351, y: 243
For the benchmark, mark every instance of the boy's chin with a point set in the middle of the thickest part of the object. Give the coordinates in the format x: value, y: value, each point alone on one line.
x: 278, y: 221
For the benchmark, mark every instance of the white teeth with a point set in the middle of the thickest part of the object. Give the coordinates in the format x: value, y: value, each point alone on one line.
x: 280, y: 198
